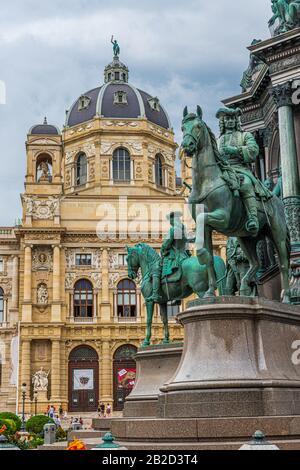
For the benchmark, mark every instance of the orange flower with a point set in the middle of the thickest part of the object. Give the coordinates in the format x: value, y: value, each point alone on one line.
x: 3, y: 429
x: 77, y: 445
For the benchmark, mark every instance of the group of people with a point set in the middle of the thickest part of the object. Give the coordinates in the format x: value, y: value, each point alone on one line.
x: 104, y: 411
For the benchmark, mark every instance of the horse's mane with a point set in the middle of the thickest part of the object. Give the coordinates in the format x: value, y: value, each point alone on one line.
x: 214, y: 144
x: 149, y: 252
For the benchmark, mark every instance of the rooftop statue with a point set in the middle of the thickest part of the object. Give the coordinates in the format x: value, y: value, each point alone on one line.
x: 116, y: 47
x: 171, y: 277
x: 287, y: 13
x: 254, y: 67
x: 235, y: 203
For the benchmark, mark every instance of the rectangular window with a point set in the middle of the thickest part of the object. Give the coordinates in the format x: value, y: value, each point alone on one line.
x: 122, y: 260
x: 83, y: 259
x: 1, y: 265
x: 173, y: 310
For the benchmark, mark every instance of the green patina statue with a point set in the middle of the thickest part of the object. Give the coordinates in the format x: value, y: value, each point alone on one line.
x: 239, y: 149
x: 287, y: 13
x: 235, y: 203
x: 278, y: 190
x: 237, y: 266
x: 186, y: 277
x: 255, y: 65
x: 116, y: 47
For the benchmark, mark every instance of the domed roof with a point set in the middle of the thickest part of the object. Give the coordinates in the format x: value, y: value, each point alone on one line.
x: 44, y: 129
x: 117, y: 99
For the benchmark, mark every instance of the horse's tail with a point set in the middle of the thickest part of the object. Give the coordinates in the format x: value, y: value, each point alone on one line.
x: 220, y: 269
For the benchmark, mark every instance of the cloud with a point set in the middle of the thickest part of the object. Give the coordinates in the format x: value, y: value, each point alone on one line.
x: 183, y: 52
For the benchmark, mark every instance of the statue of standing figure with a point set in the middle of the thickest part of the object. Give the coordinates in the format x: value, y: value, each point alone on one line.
x: 287, y: 12
x: 237, y: 266
x: 116, y: 47
x: 40, y: 380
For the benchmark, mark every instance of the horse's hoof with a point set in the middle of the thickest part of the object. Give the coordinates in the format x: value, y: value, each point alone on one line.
x: 209, y: 295
x: 246, y: 292
x: 145, y: 344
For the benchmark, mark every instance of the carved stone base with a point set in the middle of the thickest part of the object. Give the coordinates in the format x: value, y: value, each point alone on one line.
x: 155, y: 366
x: 237, y: 361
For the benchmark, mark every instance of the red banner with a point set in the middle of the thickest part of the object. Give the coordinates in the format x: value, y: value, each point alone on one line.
x: 126, y: 378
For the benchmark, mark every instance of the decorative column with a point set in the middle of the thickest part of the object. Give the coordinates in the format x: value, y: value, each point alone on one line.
x: 25, y: 370
x: 105, y: 301
x: 106, y: 373
x: 27, y: 304
x: 55, y: 373
x: 56, y: 303
x: 15, y: 283
x: 290, y: 179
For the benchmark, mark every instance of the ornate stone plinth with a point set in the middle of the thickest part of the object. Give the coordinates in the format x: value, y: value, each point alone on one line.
x: 237, y: 361
x: 156, y: 365
x: 238, y: 373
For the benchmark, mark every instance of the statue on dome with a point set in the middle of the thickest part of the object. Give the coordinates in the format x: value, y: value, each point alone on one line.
x: 116, y: 47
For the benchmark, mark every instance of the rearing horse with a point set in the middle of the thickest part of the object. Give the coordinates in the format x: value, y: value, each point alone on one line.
x: 226, y: 213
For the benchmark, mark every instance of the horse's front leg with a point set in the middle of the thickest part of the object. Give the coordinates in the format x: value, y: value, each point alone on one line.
x: 164, y: 317
x: 150, y: 310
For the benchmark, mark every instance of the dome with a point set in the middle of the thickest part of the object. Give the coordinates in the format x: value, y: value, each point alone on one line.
x: 117, y: 99
x: 44, y: 129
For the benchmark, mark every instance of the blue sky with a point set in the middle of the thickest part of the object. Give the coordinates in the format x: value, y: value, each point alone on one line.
x: 185, y: 52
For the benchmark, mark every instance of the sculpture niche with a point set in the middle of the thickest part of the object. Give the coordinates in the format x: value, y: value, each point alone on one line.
x: 171, y: 277
x: 236, y: 204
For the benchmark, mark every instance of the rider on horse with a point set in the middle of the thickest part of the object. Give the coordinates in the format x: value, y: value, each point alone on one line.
x: 238, y: 150
x: 173, y: 251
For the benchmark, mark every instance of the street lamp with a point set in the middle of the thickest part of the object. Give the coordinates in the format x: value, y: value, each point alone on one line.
x: 35, y: 395
x: 23, y: 406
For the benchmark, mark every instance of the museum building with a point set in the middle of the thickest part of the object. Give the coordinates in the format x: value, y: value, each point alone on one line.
x: 67, y: 306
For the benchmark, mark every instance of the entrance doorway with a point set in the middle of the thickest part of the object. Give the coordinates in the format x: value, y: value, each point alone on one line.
x: 83, y: 379
x: 124, y: 373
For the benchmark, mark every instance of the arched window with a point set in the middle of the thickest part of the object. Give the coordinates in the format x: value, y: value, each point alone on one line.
x: 159, y: 177
x: 121, y: 165
x: 127, y: 299
x: 44, y: 168
x: 83, y: 299
x: 1, y: 305
x: 124, y: 374
x: 81, y: 169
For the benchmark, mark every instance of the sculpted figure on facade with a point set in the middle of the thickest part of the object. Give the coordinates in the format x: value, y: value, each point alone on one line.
x: 40, y: 381
x: 42, y: 295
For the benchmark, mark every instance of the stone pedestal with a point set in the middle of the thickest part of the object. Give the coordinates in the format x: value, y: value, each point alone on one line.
x: 42, y: 402
x: 237, y: 361
x: 156, y: 365
x: 238, y: 373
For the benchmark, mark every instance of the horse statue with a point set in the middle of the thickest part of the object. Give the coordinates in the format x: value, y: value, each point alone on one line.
x: 224, y: 210
x: 193, y: 279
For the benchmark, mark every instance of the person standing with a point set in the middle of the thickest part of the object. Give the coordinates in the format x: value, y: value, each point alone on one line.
x: 108, y: 411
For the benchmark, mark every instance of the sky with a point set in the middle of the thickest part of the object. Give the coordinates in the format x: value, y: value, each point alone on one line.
x: 186, y: 52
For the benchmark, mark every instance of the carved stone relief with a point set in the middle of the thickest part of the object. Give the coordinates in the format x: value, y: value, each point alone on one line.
x: 42, y: 209
x: 42, y: 259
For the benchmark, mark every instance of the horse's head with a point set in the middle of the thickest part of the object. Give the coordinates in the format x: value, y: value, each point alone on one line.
x: 193, y: 128
x: 133, y: 262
